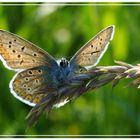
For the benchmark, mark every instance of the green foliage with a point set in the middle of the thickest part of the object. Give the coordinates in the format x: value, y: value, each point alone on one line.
x: 61, y: 31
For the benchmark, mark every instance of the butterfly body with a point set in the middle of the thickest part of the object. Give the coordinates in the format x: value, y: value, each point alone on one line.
x: 63, y: 71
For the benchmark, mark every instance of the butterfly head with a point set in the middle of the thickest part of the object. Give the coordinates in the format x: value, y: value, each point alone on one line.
x: 63, y: 71
x: 64, y: 63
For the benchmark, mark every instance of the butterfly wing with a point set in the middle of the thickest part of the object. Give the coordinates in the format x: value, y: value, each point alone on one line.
x: 31, y: 85
x: 92, y: 51
x: 17, y: 53
x: 34, y: 80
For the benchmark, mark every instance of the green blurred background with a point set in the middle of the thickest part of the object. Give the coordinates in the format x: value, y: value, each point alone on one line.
x: 61, y: 30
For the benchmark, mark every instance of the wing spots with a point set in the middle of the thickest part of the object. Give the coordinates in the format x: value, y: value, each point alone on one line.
x: 21, y: 62
x: 91, y: 46
x: 1, y: 45
x: 35, y: 54
x: 30, y: 72
x: 10, y: 42
x: 100, y: 41
x: 37, y: 99
x: 17, y: 81
x: 33, y: 60
x: 39, y: 71
x: 17, y: 90
x: 24, y: 86
x: 22, y: 94
x: 23, y: 48
x: 13, y: 51
x: 29, y: 89
x: 36, y: 81
x: 94, y: 52
x: 26, y: 79
x: 29, y: 97
x: 15, y: 40
x: 9, y: 46
x: 18, y: 56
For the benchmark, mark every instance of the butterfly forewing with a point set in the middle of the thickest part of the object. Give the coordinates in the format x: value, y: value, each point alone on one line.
x: 17, y: 53
x: 91, y: 52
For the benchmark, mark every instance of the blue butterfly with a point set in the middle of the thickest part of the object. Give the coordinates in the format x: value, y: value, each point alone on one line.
x: 40, y: 77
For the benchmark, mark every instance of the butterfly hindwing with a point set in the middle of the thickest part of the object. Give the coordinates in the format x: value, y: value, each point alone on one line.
x: 31, y: 85
x: 17, y: 53
x: 92, y: 51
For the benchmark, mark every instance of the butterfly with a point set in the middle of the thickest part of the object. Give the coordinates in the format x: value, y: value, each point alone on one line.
x: 39, y: 76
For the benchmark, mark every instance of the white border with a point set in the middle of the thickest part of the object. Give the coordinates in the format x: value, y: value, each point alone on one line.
x: 70, y: 4
x: 64, y: 3
x: 74, y: 136
x: 70, y: 1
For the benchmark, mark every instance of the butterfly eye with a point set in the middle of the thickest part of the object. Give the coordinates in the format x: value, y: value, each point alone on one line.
x: 61, y: 63
x: 67, y: 63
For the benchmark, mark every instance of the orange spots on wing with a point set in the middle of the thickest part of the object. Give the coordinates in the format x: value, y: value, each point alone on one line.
x: 22, y: 94
x: 29, y: 97
x: 37, y: 99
